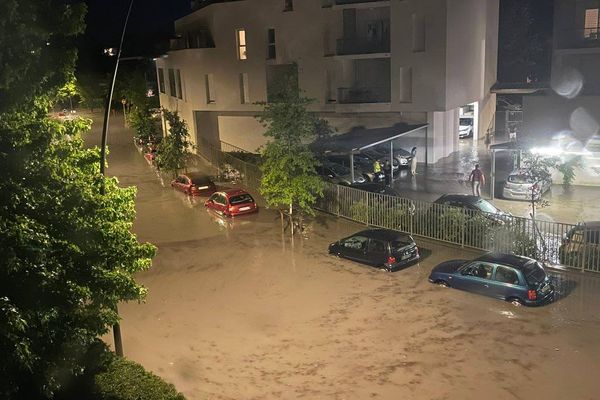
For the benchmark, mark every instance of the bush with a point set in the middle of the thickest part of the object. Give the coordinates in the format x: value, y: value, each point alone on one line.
x: 127, y: 380
x: 108, y: 377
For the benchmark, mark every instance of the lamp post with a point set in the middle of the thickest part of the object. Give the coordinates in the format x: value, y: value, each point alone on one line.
x: 116, y: 327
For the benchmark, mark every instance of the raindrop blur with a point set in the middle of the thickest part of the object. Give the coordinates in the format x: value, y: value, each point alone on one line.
x: 567, y: 83
x: 583, y: 124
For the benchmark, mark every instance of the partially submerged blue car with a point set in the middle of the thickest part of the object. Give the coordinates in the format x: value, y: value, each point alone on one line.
x: 520, y: 280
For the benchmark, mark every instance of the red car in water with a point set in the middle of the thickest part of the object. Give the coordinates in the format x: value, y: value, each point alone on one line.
x: 194, y: 184
x: 232, y: 202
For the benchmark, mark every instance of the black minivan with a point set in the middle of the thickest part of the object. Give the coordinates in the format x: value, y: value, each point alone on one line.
x: 382, y: 248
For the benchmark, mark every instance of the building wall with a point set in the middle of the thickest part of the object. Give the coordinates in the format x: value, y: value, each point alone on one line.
x: 442, y: 56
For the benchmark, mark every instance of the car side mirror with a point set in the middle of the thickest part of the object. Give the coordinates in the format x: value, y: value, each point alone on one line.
x: 330, y: 176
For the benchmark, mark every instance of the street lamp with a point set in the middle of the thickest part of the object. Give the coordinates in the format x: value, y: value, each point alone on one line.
x: 116, y: 327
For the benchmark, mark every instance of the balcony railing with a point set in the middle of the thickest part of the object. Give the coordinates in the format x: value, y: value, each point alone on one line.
x: 193, y: 40
x: 356, y: 95
x: 362, y: 46
x: 577, y: 38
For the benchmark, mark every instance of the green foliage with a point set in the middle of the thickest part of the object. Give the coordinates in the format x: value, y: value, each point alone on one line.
x: 289, y: 177
x: 127, y: 380
x: 68, y: 253
x: 37, y: 53
x: 92, y: 89
x: 173, y: 152
x: 145, y: 125
x: 567, y: 169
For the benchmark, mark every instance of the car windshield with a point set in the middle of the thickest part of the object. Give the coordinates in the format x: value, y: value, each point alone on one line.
x: 534, y: 273
x: 241, y: 198
x: 466, y: 122
x: 486, y: 206
x: 520, y: 178
x: 201, y: 180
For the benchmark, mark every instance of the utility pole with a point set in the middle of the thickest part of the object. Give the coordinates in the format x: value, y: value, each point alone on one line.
x: 116, y: 327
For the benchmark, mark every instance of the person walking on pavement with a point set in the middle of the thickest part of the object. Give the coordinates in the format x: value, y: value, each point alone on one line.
x: 477, y: 179
x: 387, y: 172
x: 413, y: 161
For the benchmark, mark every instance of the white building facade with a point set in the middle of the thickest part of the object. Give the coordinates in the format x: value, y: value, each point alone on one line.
x: 365, y: 63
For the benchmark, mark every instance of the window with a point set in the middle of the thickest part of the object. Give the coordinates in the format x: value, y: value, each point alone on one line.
x: 478, y: 270
x: 418, y: 33
x: 376, y: 246
x: 161, y: 80
x: 288, y: 5
x: 271, y: 49
x: 244, y: 95
x: 356, y: 243
x: 178, y: 81
x: 591, y: 24
x: 241, y: 198
x: 506, y: 275
x: 172, y: 83
x: 405, y: 84
x: 210, y: 88
x: 241, y: 43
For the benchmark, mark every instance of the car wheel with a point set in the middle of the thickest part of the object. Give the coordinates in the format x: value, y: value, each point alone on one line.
x: 515, y: 301
x: 385, y: 269
x: 442, y: 283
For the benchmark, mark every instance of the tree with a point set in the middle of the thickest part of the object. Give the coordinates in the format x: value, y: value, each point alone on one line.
x: 289, y: 179
x: 36, y: 47
x: 68, y: 253
x: 92, y: 89
x: 174, y: 150
x: 537, y: 169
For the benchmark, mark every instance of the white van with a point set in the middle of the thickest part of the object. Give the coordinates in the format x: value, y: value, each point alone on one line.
x: 465, y: 127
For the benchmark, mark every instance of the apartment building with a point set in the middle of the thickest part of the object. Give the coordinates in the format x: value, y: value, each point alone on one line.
x: 567, y: 115
x: 369, y: 64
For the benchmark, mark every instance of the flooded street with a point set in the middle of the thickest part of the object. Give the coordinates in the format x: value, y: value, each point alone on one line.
x: 236, y: 311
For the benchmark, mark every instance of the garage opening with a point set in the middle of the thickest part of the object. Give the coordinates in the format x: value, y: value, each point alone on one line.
x: 468, y: 124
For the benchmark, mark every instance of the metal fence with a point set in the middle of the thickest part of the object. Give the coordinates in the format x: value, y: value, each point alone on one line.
x: 576, y: 246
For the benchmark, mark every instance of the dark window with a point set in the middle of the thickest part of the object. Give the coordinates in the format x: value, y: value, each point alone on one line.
x: 592, y: 237
x: 398, y: 244
x: 478, y: 270
x: 201, y: 180
x: 161, y: 80
x: 221, y: 199
x: 178, y: 81
x: 271, y: 47
x: 506, y: 275
x: 534, y: 273
x: 288, y: 5
x: 172, y: 83
x: 241, y: 198
x: 376, y: 246
x: 181, y: 179
x: 356, y: 243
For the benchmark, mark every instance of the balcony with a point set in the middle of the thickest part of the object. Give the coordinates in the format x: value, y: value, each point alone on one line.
x: 193, y: 40
x: 577, y: 39
x: 357, y: 95
x: 362, y: 46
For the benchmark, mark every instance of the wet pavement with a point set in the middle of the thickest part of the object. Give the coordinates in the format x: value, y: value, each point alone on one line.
x: 237, y: 311
x: 450, y: 175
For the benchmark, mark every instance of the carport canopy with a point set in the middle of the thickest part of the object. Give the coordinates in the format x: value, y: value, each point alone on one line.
x: 361, y: 138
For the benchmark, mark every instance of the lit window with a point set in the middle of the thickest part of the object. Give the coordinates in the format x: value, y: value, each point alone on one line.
x: 241, y: 41
x: 591, y: 23
x: 271, y: 48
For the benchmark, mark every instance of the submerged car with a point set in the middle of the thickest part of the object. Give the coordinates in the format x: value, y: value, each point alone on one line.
x: 232, y: 202
x: 474, y: 204
x: 362, y: 166
x: 520, y: 185
x: 581, y: 245
x: 382, y: 248
x: 517, y: 279
x: 194, y: 184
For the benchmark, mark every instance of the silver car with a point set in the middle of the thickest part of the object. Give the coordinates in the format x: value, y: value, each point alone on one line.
x: 522, y: 186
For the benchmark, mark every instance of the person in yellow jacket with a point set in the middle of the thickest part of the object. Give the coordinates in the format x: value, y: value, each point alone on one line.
x: 376, y: 166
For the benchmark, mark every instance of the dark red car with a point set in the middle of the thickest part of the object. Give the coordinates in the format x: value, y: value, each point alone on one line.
x: 232, y: 202
x: 194, y: 184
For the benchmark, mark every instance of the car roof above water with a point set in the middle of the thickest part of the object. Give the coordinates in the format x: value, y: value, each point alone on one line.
x: 512, y: 260
x: 383, y: 234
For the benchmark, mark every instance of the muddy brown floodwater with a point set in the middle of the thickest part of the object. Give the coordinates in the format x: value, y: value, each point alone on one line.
x: 235, y: 311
